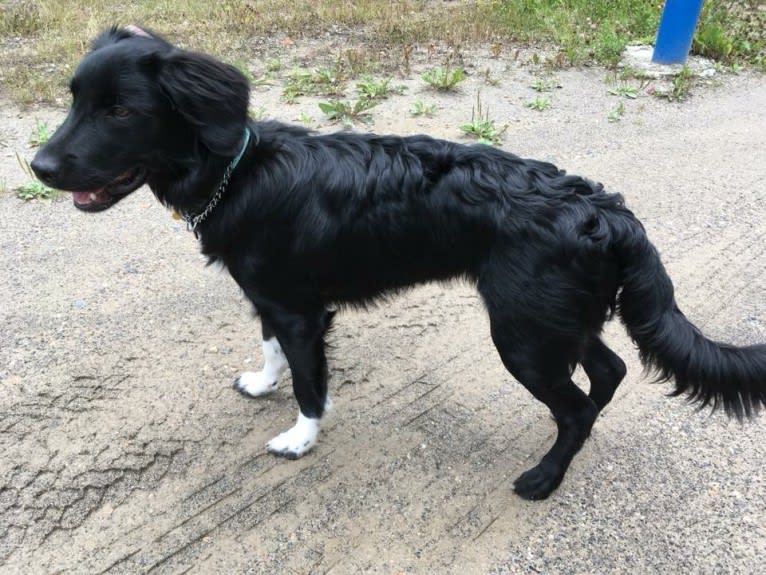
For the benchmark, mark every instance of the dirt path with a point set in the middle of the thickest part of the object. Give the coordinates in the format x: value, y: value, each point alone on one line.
x: 125, y: 449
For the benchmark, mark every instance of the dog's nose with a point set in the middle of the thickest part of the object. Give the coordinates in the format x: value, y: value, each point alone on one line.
x: 45, y: 168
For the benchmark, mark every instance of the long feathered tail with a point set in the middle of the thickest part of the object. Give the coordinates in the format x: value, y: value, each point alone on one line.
x: 707, y: 372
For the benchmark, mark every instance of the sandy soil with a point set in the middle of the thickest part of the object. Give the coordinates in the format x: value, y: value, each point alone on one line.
x: 126, y: 450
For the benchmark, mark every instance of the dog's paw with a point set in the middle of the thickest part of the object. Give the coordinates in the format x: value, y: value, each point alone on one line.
x: 255, y: 384
x: 538, y: 482
x: 296, y: 441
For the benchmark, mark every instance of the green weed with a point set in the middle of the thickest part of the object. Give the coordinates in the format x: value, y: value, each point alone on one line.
x: 34, y: 190
x: 616, y: 113
x: 347, y: 112
x: 544, y: 85
x: 372, y: 89
x: 273, y: 65
x: 482, y: 127
x: 41, y: 133
x: 541, y: 103
x: 681, y: 87
x: 443, y: 78
x: 420, y: 108
x: 320, y: 82
x: 624, y: 90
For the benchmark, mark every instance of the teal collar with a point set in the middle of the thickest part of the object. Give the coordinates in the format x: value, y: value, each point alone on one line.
x: 193, y: 221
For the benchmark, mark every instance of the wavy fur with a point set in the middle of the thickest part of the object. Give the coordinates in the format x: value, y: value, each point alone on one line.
x: 311, y: 221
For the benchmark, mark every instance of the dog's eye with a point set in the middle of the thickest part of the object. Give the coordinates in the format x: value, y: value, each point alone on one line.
x: 120, y: 112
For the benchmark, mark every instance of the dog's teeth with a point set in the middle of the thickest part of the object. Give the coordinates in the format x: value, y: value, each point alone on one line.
x: 92, y: 196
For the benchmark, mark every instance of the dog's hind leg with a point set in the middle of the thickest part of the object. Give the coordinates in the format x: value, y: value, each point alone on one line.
x: 545, y: 372
x: 301, y: 336
x: 257, y: 383
x: 540, y: 335
x: 604, y: 369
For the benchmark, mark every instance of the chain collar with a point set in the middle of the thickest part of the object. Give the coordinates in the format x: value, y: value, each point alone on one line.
x: 193, y: 221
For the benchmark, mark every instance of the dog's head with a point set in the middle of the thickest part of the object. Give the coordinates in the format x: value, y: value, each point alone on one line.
x: 141, y: 107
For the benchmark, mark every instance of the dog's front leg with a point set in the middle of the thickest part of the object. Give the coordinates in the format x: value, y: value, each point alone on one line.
x: 257, y: 383
x: 301, y: 336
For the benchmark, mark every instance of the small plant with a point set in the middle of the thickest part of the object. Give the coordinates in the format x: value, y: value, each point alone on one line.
x: 321, y: 82
x: 372, y: 89
x: 346, y: 112
x: 34, y: 190
x: 41, y: 133
x: 306, y: 119
x: 443, y: 78
x: 481, y: 127
x: 541, y: 103
x: 681, y: 86
x: 545, y: 85
x: 712, y: 40
x: 273, y: 65
x: 420, y: 108
x: 624, y: 90
x: 616, y: 113
x: 489, y: 79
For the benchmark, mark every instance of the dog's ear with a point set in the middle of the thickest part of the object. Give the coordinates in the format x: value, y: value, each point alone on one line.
x: 111, y: 36
x: 116, y: 34
x: 210, y: 95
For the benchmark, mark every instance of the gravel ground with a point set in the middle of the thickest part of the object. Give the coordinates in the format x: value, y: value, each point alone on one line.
x: 126, y: 450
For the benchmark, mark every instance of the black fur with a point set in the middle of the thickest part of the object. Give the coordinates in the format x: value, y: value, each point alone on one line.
x: 311, y: 221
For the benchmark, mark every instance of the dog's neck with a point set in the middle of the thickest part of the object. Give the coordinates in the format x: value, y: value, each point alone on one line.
x: 188, y: 187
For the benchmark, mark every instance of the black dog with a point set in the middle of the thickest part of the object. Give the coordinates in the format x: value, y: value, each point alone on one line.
x: 304, y: 221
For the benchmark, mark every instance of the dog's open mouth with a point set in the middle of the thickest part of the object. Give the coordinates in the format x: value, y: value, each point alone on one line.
x: 101, y: 198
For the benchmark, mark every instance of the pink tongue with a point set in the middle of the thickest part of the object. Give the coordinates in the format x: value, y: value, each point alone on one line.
x: 82, y: 197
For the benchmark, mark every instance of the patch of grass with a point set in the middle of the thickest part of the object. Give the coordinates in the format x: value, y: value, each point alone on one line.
x: 372, y: 89
x: 443, y: 78
x: 41, y: 133
x: 273, y: 65
x: 347, y: 112
x: 540, y: 104
x: 616, y: 113
x: 319, y: 82
x: 482, y: 127
x: 583, y: 30
x: 544, y: 85
x: 42, y: 41
x: 420, y: 108
x: 732, y: 31
x: 624, y: 90
x: 34, y: 190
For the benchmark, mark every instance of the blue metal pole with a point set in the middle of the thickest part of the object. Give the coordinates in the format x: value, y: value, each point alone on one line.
x: 674, y: 36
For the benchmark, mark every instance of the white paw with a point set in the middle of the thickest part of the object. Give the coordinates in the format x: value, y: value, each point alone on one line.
x: 296, y: 441
x: 255, y: 383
